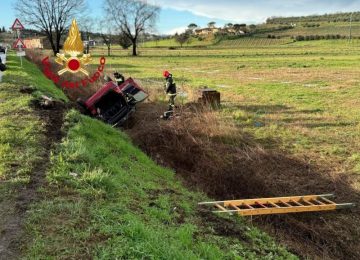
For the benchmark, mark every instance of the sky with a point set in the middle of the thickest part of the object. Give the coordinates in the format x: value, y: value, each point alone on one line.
x: 175, y: 15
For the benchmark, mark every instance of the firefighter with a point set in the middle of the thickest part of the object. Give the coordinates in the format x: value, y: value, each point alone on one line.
x: 119, y: 78
x: 170, y: 90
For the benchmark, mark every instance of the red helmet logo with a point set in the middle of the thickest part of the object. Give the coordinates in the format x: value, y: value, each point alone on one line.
x: 166, y: 74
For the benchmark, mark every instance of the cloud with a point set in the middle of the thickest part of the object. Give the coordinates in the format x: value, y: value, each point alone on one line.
x: 257, y: 11
x: 176, y: 30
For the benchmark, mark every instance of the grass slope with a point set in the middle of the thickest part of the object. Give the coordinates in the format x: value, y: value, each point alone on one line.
x: 20, y: 128
x: 22, y: 138
x: 107, y: 200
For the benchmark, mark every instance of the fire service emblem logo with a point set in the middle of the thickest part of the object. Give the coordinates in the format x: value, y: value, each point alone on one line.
x: 73, y: 46
x: 71, y: 62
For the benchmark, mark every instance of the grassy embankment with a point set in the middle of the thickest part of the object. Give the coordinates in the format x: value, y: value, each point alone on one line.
x: 22, y: 147
x: 105, y: 198
x: 21, y: 129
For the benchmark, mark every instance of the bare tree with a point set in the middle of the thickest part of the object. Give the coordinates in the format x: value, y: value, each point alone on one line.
x: 87, y: 26
x: 182, y: 38
x: 106, y: 29
x: 107, y: 38
x: 132, y: 17
x: 124, y: 41
x: 50, y: 16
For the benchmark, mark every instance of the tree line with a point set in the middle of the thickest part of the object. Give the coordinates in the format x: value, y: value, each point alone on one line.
x: 127, y: 19
x: 320, y: 37
x: 336, y: 17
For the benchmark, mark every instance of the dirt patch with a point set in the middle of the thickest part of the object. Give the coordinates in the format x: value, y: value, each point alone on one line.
x: 14, y: 211
x: 221, y: 226
x: 232, y: 166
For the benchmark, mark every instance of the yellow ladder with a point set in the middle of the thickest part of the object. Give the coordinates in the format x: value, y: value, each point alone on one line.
x: 279, y: 205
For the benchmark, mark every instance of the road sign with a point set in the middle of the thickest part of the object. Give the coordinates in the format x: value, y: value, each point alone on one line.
x: 17, y: 25
x: 19, y: 44
x: 20, y: 54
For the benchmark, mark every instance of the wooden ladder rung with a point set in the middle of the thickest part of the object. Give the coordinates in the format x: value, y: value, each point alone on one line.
x: 220, y: 207
x: 285, y: 203
x: 235, y: 207
x: 261, y: 205
x: 296, y: 202
x: 248, y: 206
x: 275, y: 205
x: 327, y: 200
x: 307, y: 202
x: 321, y: 203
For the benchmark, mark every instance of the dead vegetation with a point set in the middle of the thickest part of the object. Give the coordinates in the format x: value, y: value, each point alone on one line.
x: 213, y: 155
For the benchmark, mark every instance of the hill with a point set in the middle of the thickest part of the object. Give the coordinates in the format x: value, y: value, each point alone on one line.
x: 336, y: 17
x: 320, y: 28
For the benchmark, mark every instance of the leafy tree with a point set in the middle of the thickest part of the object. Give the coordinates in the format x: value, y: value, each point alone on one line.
x: 252, y: 27
x: 132, y: 17
x: 211, y: 24
x: 237, y: 27
x: 193, y: 26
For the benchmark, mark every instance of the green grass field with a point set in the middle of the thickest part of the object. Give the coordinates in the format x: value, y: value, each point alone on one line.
x: 260, y: 38
x: 341, y: 28
x: 103, y: 197
x: 192, y: 42
x: 300, y: 97
x: 107, y: 199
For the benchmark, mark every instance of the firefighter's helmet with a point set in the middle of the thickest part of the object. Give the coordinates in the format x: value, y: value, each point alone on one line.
x: 166, y: 74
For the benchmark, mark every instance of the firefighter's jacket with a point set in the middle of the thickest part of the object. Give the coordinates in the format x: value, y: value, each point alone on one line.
x: 170, y: 87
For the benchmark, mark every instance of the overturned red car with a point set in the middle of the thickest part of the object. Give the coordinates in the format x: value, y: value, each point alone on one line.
x: 114, y: 104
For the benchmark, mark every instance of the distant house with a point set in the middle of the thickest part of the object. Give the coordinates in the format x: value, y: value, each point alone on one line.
x: 206, y: 31
x: 92, y: 43
x: 34, y: 43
